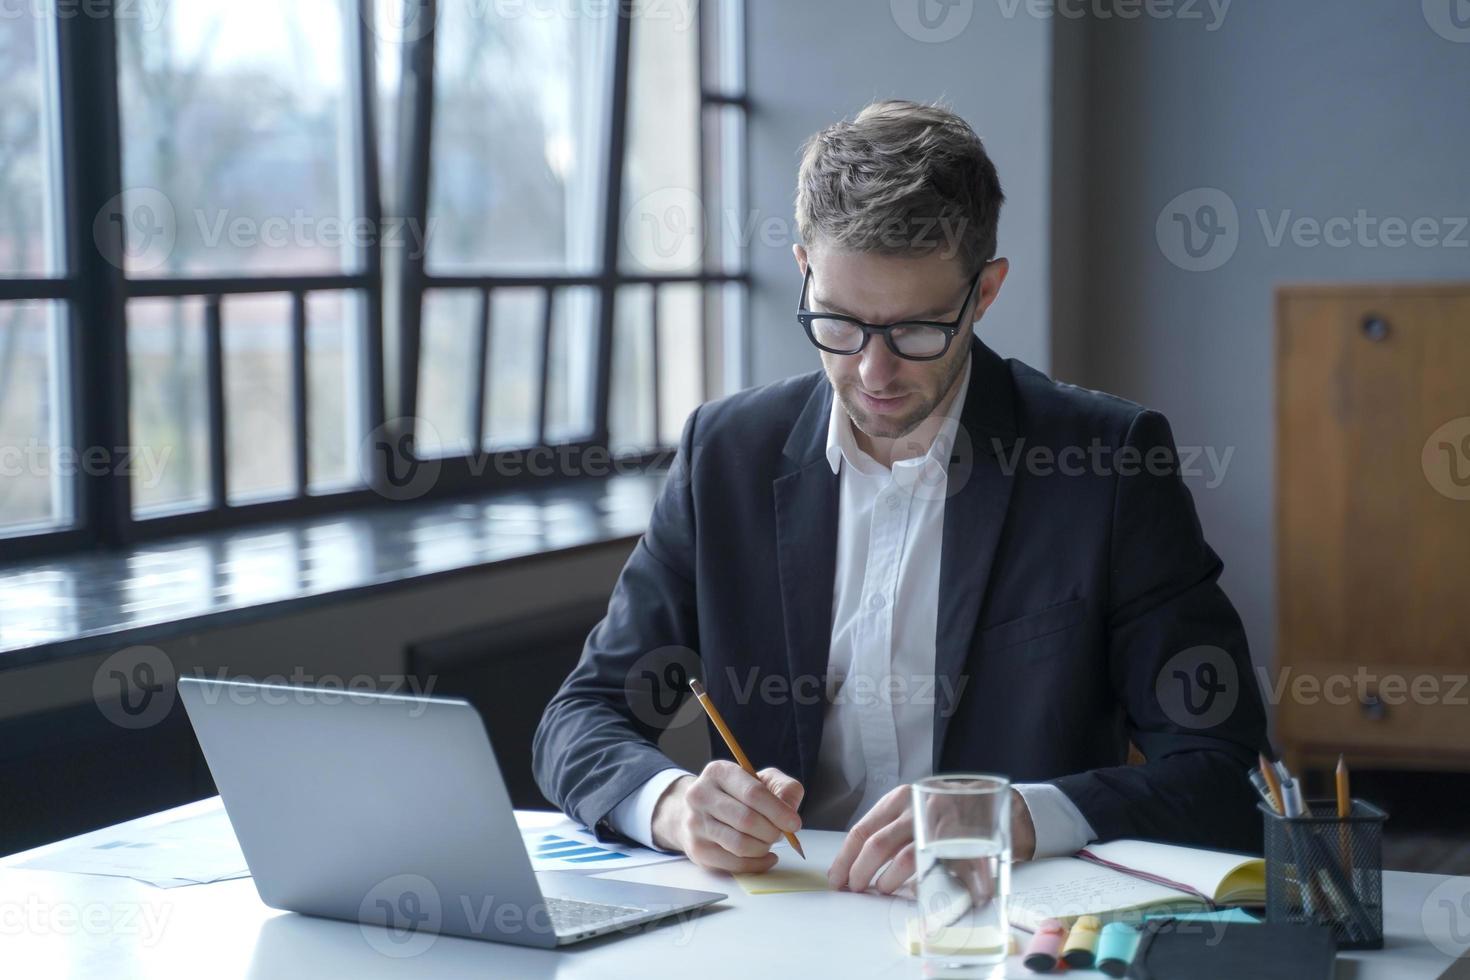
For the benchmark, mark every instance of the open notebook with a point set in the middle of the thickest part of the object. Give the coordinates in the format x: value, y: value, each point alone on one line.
x: 1127, y: 879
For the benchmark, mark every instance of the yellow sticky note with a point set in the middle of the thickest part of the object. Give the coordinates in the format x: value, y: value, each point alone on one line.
x: 960, y: 940
x: 782, y: 879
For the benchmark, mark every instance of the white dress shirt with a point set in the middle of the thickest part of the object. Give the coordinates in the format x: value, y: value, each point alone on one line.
x: 878, y: 731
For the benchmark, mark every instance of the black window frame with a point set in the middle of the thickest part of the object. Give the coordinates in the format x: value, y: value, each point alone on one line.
x: 96, y: 291
x: 480, y: 469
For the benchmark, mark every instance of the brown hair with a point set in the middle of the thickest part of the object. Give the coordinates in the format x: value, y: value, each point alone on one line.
x: 898, y: 178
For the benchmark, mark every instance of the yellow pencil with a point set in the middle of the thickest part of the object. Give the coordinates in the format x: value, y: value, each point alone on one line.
x: 1273, y: 785
x: 733, y: 746
x: 1344, y: 807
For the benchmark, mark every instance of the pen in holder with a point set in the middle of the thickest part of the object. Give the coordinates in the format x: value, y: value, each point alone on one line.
x: 1322, y: 868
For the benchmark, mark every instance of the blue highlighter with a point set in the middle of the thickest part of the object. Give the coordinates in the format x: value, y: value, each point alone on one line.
x: 1115, y: 948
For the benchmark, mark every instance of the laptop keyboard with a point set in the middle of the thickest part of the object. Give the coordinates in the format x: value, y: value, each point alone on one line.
x: 569, y: 915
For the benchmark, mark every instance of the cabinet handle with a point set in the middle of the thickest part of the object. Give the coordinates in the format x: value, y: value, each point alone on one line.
x: 1375, y: 328
x: 1373, y: 708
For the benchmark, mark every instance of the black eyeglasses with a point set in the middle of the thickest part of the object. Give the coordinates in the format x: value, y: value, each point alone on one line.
x: 913, y: 340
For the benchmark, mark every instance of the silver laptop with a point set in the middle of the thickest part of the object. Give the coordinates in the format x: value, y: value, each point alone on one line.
x: 390, y: 810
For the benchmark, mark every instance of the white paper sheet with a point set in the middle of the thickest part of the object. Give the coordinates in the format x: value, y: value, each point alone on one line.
x: 189, y: 851
x: 566, y: 846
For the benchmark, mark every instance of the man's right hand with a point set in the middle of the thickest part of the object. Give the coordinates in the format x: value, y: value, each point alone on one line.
x: 725, y: 819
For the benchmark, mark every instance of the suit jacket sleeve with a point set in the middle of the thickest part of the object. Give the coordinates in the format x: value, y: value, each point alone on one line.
x: 1179, y: 664
x: 596, y: 741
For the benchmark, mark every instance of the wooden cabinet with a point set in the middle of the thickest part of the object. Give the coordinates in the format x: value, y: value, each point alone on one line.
x: 1373, y: 524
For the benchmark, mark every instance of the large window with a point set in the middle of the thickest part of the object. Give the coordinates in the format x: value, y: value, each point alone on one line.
x: 243, y: 247
x: 35, y: 444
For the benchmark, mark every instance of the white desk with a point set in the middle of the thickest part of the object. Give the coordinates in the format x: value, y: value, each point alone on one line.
x: 84, y: 926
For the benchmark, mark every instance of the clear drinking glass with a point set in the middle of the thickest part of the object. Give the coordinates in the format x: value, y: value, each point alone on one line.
x: 962, y: 842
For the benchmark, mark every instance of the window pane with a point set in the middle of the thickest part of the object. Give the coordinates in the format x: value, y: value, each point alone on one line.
x: 334, y: 424
x: 514, y: 371
x: 260, y: 435
x: 630, y: 413
x: 37, y: 463
x: 519, y: 111
x: 451, y: 327
x: 663, y: 217
x: 28, y: 205
x: 237, y: 149
x: 730, y: 226
x: 169, y: 403
x: 681, y: 373
x: 392, y: 35
x: 571, y: 375
x: 723, y: 23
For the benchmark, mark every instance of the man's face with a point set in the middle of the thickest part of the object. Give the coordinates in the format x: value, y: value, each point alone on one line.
x: 886, y: 396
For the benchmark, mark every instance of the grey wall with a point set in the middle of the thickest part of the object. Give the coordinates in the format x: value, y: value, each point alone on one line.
x: 813, y: 62
x: 1316, y: 107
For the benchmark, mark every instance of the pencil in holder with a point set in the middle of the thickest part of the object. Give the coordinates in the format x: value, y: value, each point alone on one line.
x: 1326, y: 869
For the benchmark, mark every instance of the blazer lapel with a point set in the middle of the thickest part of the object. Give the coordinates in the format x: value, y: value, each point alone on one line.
x: 806, y: 497
x: 974, y: 516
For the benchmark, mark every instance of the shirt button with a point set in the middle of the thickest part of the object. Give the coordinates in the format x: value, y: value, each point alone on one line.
x: 876, y: 600
x: 893, y: 501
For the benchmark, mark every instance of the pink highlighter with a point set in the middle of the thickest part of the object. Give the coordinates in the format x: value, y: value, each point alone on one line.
x: 1045, y: 948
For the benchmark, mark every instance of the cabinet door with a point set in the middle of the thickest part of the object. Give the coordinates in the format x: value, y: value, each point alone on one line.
x: 1373, y: 495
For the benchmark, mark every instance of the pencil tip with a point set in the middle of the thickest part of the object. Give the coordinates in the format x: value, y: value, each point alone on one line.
x: 796, y: 846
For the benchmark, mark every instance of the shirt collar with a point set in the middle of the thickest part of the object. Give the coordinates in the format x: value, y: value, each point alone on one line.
x: 842, y: 445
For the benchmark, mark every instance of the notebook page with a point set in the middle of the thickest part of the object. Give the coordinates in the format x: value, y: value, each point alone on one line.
x: 1065, y: 888
x: 1199, y: 869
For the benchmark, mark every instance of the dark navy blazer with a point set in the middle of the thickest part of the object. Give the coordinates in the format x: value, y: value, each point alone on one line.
x: 1079, y: 608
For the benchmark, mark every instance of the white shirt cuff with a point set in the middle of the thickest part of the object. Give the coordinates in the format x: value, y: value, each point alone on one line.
x: 633, y: 817
x: 1060, y: 826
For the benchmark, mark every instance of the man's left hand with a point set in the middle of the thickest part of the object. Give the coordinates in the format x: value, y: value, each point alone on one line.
x: 885, y: 836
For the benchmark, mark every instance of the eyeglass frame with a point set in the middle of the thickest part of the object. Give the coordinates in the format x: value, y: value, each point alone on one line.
x: 805, y: 317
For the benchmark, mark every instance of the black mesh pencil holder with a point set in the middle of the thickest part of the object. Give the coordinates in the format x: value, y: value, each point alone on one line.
x: 1324, y: 869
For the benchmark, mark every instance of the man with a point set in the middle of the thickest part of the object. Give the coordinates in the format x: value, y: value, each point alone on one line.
x: 922, y: 559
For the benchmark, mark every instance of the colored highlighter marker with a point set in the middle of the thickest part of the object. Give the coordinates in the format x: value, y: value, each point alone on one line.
x: 1115, y: 948
x: 1045, y: 947
x: 1081, y: 942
